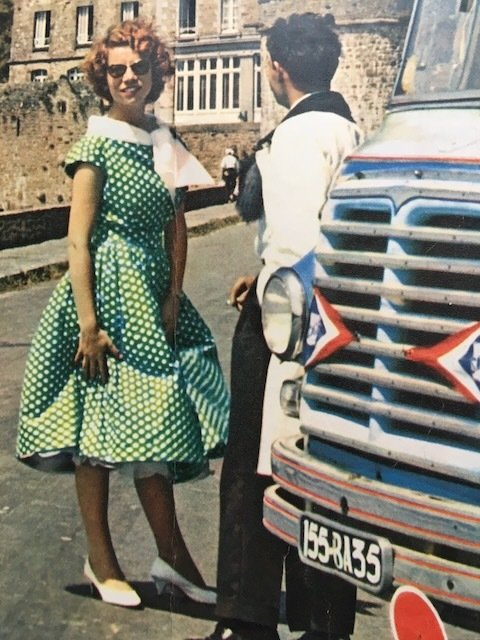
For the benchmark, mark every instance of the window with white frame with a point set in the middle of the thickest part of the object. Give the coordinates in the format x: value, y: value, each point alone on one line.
x: 208, y: 84
x: 230, y: 82
x: 84, y: 24
x: 257, y: 90
x: 187, y: 16
x: 41, y: 29
x: 207, y: 98
x: 39, y: 75
x: 128, y: 11
x: 229, y: 15
x: 75, y: 74
x: 185, y: 85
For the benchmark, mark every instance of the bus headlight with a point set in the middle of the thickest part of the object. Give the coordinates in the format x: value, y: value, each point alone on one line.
x: 284, y: 314
x: 290, y: 397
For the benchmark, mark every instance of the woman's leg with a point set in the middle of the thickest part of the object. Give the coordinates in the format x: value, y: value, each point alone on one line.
x: 156, y: 496
x: 92, y: 484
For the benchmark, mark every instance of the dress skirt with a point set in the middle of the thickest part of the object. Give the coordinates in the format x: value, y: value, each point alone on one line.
x: 162, y: 403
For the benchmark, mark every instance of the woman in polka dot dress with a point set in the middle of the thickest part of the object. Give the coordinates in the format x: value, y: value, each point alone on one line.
x: 123, y: 372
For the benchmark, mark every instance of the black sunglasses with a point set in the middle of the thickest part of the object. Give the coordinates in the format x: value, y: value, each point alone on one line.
x: 139, y: 68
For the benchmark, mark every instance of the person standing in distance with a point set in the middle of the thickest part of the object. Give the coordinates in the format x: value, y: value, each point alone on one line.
x: 295, y: 165
x: 230, y: 167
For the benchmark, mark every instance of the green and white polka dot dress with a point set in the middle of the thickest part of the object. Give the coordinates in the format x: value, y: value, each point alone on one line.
x: 160, y: 404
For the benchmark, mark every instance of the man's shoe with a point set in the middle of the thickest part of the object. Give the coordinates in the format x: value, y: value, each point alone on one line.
x: 221, y: 632
x: 322, y: 635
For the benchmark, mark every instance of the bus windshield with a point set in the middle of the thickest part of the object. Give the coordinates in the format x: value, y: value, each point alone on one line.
x: 442, y: 55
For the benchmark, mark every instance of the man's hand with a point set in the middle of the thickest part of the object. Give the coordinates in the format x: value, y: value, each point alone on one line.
x: 239, y: 291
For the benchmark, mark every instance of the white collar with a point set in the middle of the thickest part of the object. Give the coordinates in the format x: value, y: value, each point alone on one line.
x: 118, y: 130
x: 172, y: 161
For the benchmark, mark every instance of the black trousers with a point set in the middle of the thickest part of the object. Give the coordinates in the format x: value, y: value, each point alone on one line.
x: 230, y: 178
x: 251, y: 560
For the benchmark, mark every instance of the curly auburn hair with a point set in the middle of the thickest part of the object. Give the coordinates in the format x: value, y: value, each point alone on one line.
x: 307, y: 46
x: 140, y: 36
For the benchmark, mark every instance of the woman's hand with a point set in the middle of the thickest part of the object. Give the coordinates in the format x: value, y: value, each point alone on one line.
x: 239, y: 291
x: 170, y: 310
x: 93, y: 347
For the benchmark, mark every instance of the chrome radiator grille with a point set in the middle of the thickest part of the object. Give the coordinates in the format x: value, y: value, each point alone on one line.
x: 400, y: 277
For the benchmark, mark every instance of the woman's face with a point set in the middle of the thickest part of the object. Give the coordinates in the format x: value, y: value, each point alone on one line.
x: 129, y: 77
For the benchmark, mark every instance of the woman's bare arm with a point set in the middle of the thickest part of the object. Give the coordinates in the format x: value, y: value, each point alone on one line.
x: 94, y: 343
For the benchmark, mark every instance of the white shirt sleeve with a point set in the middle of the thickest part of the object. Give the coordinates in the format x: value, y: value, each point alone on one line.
x: 297, y: 172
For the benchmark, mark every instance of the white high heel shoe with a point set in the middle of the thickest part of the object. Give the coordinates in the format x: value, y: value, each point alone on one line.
x: 112, y: 591
x: 165, y: 576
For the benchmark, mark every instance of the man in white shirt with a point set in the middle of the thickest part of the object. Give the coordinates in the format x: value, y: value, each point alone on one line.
x: 229, y: 167
x: 295, y: 165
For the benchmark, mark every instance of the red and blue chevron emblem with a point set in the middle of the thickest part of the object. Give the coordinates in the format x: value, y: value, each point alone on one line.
x: 326, y: 331
x: 457, y: 358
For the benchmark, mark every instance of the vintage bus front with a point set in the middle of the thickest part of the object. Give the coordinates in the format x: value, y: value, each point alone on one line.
x: 383, y: 485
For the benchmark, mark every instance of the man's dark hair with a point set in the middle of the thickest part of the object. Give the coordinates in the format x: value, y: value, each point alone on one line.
x: 307, y: 47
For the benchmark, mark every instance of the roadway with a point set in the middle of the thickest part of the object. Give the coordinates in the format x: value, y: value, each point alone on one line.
x: 43, y: 593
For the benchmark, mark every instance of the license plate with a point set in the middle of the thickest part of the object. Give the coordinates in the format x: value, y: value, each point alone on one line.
x: 363, y: 559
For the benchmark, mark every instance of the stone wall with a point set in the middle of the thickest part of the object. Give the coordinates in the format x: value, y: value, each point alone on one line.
x: 368, y: 68
x: 21, y: 228
x: 343, y: 10
x: 38, y: 125
x: 40, y: 122
x: 209, y: 143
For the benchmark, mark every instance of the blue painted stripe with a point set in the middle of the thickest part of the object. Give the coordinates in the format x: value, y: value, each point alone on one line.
x: 394, y: 475
x: 392, y: 165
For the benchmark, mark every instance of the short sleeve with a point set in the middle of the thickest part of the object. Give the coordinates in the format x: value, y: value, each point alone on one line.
x: 88, y: 149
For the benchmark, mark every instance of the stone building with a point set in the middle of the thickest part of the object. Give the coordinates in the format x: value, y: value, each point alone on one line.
x: 50, y: 39
x: 216, y: 45
x: 216, y: 99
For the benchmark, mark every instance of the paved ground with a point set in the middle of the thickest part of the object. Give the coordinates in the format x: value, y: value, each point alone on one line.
x: 43, y: 594
x: 38, y: 262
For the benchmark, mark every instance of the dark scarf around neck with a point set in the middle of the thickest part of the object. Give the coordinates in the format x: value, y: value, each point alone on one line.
x: 250, y: 200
